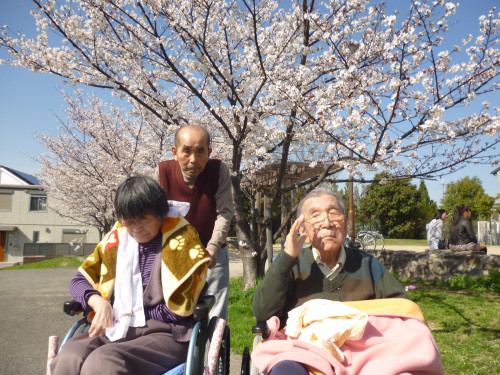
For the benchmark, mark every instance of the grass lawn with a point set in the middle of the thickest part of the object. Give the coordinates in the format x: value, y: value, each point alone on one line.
x: 465, y: 325
x: 50, y: 263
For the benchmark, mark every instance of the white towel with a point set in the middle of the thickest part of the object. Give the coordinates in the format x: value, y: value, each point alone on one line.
x: 176, y: 208
x: 128, y: 306
x: 326, y: 324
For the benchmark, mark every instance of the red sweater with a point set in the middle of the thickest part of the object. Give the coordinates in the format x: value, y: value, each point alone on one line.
x: 202, y: 213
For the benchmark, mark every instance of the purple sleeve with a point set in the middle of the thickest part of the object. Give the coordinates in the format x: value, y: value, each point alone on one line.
x: 81, y: 290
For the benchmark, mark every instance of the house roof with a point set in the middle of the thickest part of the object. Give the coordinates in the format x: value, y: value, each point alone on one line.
x: 28, y: 178
x: 495, y: 171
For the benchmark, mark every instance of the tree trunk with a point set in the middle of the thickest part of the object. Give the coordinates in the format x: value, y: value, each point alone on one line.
x: 243, y: 236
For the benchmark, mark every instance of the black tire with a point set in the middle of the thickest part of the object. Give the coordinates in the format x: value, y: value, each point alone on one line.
x: 224, y: 354
x: 245, y: 362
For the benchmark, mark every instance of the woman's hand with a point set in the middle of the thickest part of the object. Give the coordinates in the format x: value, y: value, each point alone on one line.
x: 293, y: 245
x: 103, y: 315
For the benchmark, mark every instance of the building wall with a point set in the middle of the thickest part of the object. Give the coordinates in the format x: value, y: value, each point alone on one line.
x: 51, y: 227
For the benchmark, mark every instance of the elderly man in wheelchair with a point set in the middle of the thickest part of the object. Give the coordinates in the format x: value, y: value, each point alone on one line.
x: 141, y: 283
x: 344, y: 312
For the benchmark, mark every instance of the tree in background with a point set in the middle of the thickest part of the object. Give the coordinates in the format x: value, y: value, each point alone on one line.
x: 427, y: 208
x: 397, y: 207
x: 344, y: 83
x: 97, y: 147
x: 469, y: 191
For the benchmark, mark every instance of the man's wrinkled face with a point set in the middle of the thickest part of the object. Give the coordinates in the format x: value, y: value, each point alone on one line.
x: 191, y: 150
x: 324, y: 223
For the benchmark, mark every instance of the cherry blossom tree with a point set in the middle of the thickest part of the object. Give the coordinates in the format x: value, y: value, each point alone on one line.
x: 341, y: 82
x: 97, y: 146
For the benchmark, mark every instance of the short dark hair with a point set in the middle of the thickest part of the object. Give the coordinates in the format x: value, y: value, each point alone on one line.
x: 207, y: 134
x: 139, y: 196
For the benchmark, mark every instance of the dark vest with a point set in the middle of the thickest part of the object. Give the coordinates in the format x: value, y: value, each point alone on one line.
x: 202, y: 213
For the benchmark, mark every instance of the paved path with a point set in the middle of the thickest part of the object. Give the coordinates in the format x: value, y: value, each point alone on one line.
x: 30, y: 312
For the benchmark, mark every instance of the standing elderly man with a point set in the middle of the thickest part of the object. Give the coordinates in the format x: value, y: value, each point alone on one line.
x: 327, y: 269
x: 206, y: 184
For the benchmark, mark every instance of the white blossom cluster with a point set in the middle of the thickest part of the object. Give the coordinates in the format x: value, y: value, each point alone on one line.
x: 96, y: 148
x: 343, y: 83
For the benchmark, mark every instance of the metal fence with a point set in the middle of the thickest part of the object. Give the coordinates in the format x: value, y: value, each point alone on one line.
x: 58, y: 249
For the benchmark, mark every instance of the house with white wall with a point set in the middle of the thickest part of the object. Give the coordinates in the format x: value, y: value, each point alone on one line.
x: 26, y: 219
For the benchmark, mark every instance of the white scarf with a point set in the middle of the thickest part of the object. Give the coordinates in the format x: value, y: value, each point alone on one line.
x: 128, y: 305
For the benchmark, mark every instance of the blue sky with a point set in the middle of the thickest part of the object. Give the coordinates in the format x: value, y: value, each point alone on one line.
x: 30, y: 102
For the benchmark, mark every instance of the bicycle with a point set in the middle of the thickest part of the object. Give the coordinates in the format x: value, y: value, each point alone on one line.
x: 370, y: 240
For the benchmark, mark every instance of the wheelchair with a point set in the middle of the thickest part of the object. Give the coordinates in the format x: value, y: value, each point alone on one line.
x: 209, y: 346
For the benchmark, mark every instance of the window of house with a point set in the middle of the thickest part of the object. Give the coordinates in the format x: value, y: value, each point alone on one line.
x: 5, y: 201
x: 36, y: 236
x: 38, y: 203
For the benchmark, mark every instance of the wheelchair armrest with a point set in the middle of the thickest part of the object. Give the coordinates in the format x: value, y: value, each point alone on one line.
x: 203, y: 306
x: 72, y: 307
x: 261, y: 328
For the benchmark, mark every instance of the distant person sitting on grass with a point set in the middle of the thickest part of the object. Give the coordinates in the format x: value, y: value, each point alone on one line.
x: 462, y: 237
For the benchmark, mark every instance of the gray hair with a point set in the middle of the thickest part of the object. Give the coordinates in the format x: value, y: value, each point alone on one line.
x: 318, y: 192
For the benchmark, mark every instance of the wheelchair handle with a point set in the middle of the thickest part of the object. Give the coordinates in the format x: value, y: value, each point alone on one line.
x: 261, y: 328
x: 202, y: 307
x: 72, y: 308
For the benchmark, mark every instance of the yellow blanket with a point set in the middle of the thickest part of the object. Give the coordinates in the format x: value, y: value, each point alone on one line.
x: 183, y: 270
x: 389, y: 306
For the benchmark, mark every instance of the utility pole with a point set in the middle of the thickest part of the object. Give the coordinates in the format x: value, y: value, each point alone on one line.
x: 350, y: 216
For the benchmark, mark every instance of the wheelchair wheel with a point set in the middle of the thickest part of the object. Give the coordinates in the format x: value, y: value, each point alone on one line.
x: 81, y: 326
x: 220, y: 338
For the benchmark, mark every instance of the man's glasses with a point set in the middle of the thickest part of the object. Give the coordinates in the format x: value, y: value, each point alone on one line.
x: 318, y: 218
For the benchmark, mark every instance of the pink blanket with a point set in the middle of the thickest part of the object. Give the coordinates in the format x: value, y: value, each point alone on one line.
x: 391, y: 345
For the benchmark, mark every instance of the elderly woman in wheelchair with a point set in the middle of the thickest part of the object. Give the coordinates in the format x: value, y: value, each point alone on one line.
x: 142, y: 283
x: 344, y: 312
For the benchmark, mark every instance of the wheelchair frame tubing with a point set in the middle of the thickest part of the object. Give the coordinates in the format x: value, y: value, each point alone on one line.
x: 195, y: 358
x: 73, y: 329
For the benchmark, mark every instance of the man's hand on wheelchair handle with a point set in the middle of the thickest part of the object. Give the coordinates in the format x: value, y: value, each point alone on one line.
x: 214, y: 259
x: 103, y: 315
